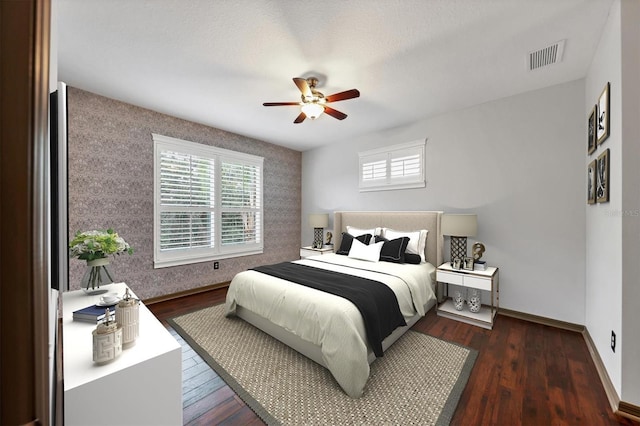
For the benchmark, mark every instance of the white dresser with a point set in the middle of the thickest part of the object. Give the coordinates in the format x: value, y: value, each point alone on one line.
x: 143, y: 386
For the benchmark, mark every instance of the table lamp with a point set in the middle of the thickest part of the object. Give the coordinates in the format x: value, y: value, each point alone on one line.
x: 318, y: 222
x: 459, y: 227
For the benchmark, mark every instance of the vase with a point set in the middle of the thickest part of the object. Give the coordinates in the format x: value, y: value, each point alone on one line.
x: 474, y: 300
x: 458, y: 300
x: 97, y: 276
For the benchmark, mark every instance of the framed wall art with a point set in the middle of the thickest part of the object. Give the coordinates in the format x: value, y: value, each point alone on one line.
x: 602, y: 177
x: 591, y: 131
x: 603, y: 119
x: 591, y: 182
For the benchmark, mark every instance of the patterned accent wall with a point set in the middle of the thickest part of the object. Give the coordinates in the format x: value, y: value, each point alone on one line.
x: 111, y: 186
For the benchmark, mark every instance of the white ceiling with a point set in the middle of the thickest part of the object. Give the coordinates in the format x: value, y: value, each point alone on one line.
x: 216, y: 61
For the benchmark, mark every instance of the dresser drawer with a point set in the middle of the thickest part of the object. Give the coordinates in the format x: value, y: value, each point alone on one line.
x: 446, y: 277
x: 475, y: 282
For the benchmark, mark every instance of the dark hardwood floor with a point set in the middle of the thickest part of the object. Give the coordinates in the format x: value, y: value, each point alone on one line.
x: 525, y: 374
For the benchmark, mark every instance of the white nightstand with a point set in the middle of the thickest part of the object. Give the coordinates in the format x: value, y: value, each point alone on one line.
x: 310, y: 251
x: 486, y: 281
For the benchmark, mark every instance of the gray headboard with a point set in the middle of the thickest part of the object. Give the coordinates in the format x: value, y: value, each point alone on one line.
x: 401, y: 221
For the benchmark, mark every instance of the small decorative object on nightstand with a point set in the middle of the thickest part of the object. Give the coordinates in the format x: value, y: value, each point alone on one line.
x: 458, y: 300
x: 474, y: 300
x: 318, y: 222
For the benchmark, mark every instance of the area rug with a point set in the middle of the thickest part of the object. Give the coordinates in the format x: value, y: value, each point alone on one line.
x: 418, y: 381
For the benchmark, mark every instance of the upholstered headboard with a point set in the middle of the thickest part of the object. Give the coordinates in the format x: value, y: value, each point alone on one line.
x: 400, y: 221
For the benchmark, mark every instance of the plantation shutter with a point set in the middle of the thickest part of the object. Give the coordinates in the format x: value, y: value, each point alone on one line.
x: 241, y: 200
x: 208, y: 203
x: 187, y: 201
x: 395, y: 167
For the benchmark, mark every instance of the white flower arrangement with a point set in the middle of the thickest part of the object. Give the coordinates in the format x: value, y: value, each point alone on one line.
x: 91, y: 245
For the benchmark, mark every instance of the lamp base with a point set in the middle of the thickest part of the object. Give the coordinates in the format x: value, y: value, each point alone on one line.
x: 317, y: 238
x: 458, y: 248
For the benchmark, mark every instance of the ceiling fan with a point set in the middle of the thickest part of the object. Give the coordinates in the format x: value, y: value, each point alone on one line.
x: 313, y: 103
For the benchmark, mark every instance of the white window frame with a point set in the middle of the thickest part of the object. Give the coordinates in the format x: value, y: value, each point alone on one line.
x: 165, y: 258
x: 384, y: 158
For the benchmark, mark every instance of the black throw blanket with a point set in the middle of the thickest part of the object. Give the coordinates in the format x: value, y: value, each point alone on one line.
x: 376, y: 302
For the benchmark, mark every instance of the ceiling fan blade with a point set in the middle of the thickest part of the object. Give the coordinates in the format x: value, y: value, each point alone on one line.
x: 347, y: 94
x: 280, y: 103
x: 303, y: 86
x: 335, y: 113
x: 300, y: 118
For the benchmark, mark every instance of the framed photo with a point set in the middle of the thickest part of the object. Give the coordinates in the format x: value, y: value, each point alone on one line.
x: 603, y: 118
x: 591, y: 131
x: 457, y: 263
x: 602, y: 177
x: 591, y: 182
x: 468, y: 263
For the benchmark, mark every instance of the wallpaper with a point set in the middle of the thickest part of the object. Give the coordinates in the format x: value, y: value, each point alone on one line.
x: 111, y: 186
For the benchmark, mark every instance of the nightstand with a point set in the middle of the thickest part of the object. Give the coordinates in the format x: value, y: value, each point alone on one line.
x: 486, y: 281
x: 310, y: 251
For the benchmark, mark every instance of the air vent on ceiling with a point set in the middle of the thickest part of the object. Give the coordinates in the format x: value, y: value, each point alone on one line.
x: 546, y: 56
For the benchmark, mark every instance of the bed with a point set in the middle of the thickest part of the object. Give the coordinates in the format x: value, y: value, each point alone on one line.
x: 328, y: 328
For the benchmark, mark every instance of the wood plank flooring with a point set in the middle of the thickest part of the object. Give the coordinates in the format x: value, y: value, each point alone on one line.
x: 525, y: 374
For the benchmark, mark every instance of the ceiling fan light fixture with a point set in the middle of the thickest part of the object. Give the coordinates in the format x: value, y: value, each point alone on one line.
x: 312, y: 110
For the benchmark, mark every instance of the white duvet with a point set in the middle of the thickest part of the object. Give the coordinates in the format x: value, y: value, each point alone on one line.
x: 328, y: 321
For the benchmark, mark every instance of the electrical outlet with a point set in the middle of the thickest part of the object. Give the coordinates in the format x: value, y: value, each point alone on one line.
x: 613, y: 341
x: 216, y: 265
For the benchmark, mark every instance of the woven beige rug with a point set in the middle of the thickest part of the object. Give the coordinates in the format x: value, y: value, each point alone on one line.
x: 418, y: 381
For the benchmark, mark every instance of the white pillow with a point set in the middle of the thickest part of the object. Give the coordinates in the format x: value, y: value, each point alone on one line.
x: 417, y: 240
x: 370, y: 253
x: 358, y: 231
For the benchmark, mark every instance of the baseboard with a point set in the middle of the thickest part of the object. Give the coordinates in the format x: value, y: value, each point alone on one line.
x: 609, y: 389
x: 185, y: 293
x: 620, y: 408
x: 629, y: 410
x: 542, y: 320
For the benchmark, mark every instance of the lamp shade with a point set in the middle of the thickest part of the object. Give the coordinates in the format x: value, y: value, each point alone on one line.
x: 319, y: 220
x: 460, y: 225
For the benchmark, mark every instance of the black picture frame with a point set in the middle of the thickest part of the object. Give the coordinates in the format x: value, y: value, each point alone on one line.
x: 602, y: 177
x: 603, y: 119
x: 591, y: 131
x: 591, y: 182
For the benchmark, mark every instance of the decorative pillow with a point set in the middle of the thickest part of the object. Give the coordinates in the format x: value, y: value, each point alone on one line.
x: 393, y: 250
x: 414, y: 259
x: 370, y: 253
x: 347, y: 240
x: 417, y: 243
x: 356, y: 232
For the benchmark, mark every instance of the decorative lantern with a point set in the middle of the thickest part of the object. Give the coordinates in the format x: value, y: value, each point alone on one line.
x: 127, y: 316
x: 107, y: 340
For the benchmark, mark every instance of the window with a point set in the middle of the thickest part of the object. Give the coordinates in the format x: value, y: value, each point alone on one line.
x: 395, y: 167
x: 208, y: 203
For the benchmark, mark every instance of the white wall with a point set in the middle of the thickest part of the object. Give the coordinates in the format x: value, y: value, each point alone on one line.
x: 604, y: 221
x: 517, y: 162
x: 630, y: 345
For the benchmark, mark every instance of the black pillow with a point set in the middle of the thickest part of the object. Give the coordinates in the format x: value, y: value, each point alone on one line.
x: 393, y: 250
x: 412, y: 258
x: 347, y: 240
